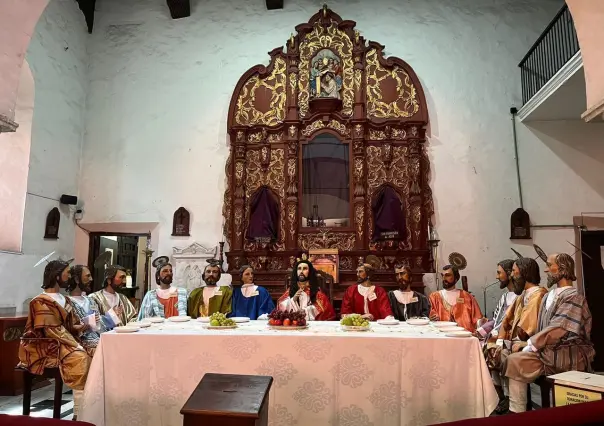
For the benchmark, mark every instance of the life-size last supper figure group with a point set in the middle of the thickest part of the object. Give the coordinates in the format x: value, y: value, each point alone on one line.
x: 533, y: 331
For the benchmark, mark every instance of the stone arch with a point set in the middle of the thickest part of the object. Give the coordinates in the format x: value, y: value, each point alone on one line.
x: 18, y: 21
x: 14, y: 165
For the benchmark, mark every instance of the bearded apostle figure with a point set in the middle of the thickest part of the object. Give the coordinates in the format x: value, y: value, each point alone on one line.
x: 52, y: 332
x: 519, y: 323
x: 405, y: 302
x: 78, y: 286
x: 562, y: 341
x: 490, y: 330
x: 166, y: 301
x: 366, y: 299
x: 211, y: 298
x: 250, y: 300
x: 114, y: 307
x: 304, y: 294
x: 451, y: 304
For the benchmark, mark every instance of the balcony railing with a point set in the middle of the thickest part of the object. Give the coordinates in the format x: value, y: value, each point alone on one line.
x: 556, y: 45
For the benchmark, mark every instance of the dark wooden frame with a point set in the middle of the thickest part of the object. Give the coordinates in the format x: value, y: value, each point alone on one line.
x: 278, y: 120
x: 181, y: 217
x: 53, y: 220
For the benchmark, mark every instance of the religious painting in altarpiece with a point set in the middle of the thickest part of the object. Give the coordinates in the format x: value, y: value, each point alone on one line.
x: 331, y: 136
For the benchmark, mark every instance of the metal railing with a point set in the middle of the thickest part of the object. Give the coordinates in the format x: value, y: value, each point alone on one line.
x: 557, y: 44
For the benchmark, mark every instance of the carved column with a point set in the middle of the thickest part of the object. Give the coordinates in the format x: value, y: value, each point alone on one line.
x: 359, y: 209
x: 358, y: 52
x: 239, y: 192
x: 415, y: 193
x: 291, y: 241
x: 292, y: 79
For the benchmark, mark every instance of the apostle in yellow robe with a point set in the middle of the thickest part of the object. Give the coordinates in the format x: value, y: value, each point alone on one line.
x: 519, y: 323
x: 51, y: 336
x: 211, y: 298
x: 114, y: 307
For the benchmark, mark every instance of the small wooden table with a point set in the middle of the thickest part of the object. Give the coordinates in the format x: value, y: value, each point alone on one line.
x: 573, y: 387
x: 228, y: 400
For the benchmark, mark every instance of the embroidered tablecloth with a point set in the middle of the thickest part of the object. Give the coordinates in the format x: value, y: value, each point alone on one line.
x: 391, y: 375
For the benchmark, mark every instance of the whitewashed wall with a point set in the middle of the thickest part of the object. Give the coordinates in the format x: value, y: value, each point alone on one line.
x: 159, y: 93
x: 57, y: 56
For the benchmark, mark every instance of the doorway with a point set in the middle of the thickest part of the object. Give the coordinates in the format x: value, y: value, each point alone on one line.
x: 592, y: 244
x: 119, y: 249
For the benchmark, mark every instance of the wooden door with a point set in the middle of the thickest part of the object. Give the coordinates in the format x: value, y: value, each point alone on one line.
x: 127, y: 254
x: 592, y: 243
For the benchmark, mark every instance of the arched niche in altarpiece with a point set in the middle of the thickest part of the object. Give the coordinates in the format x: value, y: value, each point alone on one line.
x: 329, y: 83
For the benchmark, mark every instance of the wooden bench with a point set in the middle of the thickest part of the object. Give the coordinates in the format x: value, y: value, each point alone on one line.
x: 228, y: 400
x: 545, y: 388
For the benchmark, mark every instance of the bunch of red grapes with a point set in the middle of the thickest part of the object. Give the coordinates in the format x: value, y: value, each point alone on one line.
x: 287, y: 319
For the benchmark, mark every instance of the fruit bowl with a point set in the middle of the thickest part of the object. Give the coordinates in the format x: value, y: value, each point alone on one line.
x: 219, y: 321
x: 354, y: 322
x: 280, y: 320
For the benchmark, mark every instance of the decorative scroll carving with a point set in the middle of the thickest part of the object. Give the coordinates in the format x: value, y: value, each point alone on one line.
x: 13, y: 333
x: 341, y: 241
x: 326, y: 38
x: 248, y: 112
x: 359, y: 215
x: 377, y: 135
x: 311, y: 128
x: 398, y: 134
x: 405, y: 105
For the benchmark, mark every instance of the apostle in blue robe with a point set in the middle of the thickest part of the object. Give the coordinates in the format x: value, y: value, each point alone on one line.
x: 250, y: 300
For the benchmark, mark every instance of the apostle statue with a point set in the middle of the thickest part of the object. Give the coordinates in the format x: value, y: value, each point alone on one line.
x: 304, y: 293
x: 562, y: 342
x: 490, y: 329
x: 250, y: 300
x: 166, y: 301
x: 405, y: 302
x: 114, y: 307
x: 52, y: 332
x: 451, y: 304
x: 211, y: 298
x: 366, y: 299
x: 80, y: 284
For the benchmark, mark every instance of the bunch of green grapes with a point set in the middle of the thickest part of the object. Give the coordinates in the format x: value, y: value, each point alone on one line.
x: 220, y: 320
x: 355, y: 320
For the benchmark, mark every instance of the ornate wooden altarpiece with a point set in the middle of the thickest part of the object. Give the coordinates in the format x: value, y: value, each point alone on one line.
x: 381, y: 114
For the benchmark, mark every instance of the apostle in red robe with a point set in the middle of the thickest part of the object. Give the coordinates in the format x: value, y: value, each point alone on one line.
x: 366, y: 299
x: 304, y: 294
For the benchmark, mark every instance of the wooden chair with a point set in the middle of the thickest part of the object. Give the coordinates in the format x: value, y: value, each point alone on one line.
x: 544, y: 387
x: 49, y: 373
x: 228, y: 400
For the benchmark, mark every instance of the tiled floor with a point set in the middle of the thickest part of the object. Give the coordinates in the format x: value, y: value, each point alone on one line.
x: 41, y: 403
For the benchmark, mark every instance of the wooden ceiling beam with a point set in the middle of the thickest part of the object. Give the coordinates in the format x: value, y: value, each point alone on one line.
x: 179, y: 8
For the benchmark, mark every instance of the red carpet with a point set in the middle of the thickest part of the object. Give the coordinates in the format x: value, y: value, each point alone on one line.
x: 6, y: 420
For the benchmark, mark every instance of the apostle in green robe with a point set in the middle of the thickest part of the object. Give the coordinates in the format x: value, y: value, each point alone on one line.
x: 211, y: 298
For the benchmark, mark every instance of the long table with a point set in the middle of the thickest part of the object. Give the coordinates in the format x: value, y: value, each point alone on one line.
x: 391, y: 375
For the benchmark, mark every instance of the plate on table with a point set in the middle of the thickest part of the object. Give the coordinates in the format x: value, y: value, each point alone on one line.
x: 288, y: 327
x: 355, y: 328
x: 184, y: 318
x: 459, y: 334
x: 388, y: 321
x: 203, y: 319
x: 418, y: 321
x: 126, y: 329
x: 440, y: 324
x: 450, y: 329
x: 220, y: 327
x: 240, y: 319
x: 155, y: 320
x: 139, y: 324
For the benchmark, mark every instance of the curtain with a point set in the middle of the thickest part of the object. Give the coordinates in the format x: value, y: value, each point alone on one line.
x: 264, y: 215
x: 388, y: 216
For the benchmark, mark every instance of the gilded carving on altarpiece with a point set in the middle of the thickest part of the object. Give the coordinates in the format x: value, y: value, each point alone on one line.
x: 407, y: 103
x: 331, y: 38
x: 273, y: 177
x: 327, y: 240
x: 248, y: 114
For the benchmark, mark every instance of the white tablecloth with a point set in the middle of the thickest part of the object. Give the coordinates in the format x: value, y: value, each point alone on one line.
x: 397, y: 375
